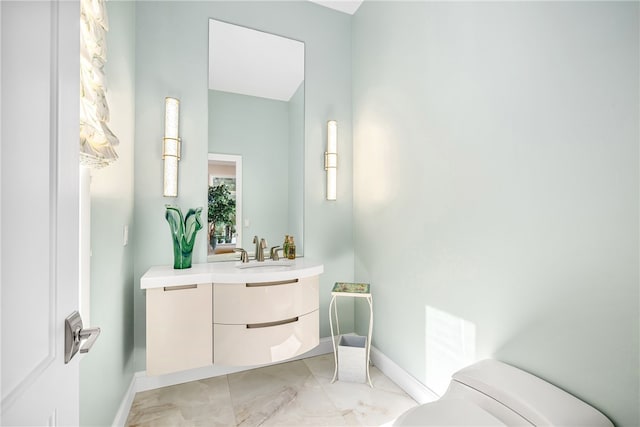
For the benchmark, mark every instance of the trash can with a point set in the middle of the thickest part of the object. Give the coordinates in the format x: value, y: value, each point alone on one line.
x: 352, y: 358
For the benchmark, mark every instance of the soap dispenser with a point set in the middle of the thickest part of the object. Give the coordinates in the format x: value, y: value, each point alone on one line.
x: 292, y: 249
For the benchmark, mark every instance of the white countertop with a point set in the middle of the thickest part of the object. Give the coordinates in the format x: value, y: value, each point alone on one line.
x: 229, y: 272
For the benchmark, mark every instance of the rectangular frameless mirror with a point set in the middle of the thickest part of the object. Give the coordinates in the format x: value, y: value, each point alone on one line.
x: 256, y: 115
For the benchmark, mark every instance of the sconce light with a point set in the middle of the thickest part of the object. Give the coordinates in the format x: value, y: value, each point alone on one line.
x: 171, y: 146
x: 331, y: 158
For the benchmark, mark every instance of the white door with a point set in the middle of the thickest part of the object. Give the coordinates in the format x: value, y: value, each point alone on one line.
x: 39, y: 217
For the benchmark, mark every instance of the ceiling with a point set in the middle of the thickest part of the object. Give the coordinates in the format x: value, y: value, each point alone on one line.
x: 346, y: 6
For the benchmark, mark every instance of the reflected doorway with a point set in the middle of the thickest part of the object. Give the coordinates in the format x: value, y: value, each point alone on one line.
x: 224, y: 205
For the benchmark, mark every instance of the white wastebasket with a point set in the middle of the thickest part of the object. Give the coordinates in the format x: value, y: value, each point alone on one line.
x: 352, y: 358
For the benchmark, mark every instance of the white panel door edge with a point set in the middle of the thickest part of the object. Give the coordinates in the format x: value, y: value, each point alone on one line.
x: 39, y: 200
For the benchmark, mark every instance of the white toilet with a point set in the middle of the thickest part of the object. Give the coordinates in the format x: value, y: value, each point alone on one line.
x: 492, y: 393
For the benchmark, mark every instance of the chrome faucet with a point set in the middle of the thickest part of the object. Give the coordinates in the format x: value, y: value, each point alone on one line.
x: 243, y: 254
x: 274, y: 252
x: 261, y: 245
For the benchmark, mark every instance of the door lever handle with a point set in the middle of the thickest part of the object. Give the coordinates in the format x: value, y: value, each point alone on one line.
x: 91, y: 335
x: 74, y: 334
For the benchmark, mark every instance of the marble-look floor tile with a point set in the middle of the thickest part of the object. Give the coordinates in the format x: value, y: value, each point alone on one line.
x: 369, y: 406
x: 361, y: 404
x: 321, y: 366
x: 286, y: 394
x: 297, y: 393
x: 258, y: 394
x: 154, y: 415
x: 311, y: 406
x: 243, y: 385
x: 204, y: 402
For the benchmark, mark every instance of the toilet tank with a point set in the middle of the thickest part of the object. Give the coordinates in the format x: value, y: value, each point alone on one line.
x: 535, y: 400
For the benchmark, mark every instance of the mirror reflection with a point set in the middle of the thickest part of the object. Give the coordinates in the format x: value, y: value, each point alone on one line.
x: 225, y: 207
x: 256, y: 113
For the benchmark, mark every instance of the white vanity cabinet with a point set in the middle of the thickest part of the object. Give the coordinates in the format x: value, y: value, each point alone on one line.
x: 179, y: 329
x: 264, y: 322
x: 220, y: 314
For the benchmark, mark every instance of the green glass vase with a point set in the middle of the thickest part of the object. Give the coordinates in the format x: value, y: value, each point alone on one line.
x: 183, y: 233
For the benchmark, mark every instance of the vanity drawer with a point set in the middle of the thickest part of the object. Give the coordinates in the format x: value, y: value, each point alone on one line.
x: 179, y: 329
x: 238, y: 304
x: 255, y: 344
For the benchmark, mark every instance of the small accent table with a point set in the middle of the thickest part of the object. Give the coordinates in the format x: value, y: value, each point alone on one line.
x: 357, y: 290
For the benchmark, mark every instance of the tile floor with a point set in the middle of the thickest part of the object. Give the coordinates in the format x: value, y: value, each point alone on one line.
x: 289, y: 394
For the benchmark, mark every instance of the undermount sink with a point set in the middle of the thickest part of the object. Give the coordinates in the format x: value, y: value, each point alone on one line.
x: 268, y: 264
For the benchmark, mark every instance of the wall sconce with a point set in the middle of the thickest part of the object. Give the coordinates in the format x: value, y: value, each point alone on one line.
x: 171, y: 146
x: 331, y: 158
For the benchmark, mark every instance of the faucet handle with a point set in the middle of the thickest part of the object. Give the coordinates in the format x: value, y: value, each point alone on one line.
x: 244, y: 257
x: 263, y: 243
x: 274, y: 252
x: 255, y: 239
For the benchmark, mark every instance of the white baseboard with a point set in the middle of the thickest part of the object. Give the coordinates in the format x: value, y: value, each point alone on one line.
x: 123, y: 411
x: 414, y: 388
x: 141, y: 382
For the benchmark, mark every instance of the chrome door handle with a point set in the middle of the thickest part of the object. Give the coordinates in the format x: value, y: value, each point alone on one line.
x: 74, y: 334
x: 91, y: 334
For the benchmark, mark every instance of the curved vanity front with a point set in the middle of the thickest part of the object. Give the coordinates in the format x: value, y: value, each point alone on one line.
x: 230, y: 313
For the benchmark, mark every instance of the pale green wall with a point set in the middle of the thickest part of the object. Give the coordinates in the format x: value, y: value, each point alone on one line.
x: 106, y: 372
x: 496, y: 179
x: 171, y: 60
x: 258, y: 129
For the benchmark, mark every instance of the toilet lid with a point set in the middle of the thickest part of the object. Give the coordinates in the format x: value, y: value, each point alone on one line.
x: 448, y: 412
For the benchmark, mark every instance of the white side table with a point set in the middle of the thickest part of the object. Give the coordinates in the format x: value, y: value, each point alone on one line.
x: 356, y: 290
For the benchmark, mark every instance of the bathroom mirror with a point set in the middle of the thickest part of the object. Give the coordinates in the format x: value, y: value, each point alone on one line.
x: 256, y: 112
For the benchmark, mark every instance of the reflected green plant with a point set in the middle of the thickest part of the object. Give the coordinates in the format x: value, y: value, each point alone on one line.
x: 183, y: 233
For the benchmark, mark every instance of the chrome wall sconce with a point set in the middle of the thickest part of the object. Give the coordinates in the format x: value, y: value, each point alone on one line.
x: 331, y: 159
x: 171, y: 146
